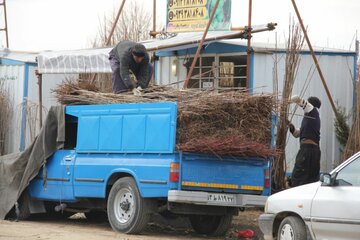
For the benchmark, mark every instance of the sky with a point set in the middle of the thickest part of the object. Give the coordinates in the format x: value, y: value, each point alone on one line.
x: 38, y: 25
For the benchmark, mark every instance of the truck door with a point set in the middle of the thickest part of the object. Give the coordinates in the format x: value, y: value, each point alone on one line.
x: 58, y: 183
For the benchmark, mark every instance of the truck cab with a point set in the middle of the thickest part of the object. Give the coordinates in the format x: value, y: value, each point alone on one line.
x: 120, y: 162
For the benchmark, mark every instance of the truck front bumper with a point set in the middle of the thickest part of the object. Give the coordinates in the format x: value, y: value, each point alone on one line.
x: 266, y: 222
x: 216, y: 199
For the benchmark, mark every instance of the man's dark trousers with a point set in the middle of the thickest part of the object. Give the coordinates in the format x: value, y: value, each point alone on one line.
x: 307, y: 165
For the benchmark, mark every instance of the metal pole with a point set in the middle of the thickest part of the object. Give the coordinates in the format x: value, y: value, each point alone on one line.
x: 39, y: 76
x: 248, y: 58
x: 114, y: 24
x: 154, y: 16
x: 6, y: 28
x: 200, y: 45
x: 314, y: 58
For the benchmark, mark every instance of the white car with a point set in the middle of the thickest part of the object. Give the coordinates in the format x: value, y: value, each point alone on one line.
x: 328, y: 209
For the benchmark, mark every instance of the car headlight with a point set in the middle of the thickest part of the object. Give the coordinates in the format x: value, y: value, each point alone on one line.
x: 266, y: 207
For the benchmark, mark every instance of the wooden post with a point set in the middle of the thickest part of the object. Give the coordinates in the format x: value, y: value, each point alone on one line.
x: 39, y: 76
x: 108, y: 41
x: 314, y: 58
x: 200, y: 45
x: 114, y: 24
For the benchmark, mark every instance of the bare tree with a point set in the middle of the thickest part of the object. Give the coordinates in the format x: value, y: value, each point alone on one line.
x: 5, y: 116
x: 295, y: 44
x: 134, y: 25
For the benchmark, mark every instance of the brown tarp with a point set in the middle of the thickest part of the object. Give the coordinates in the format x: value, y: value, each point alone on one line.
x: 17, y: 170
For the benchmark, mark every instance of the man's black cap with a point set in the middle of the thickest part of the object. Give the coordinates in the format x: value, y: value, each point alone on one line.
x: 315, y: 102
x: 139, y: 50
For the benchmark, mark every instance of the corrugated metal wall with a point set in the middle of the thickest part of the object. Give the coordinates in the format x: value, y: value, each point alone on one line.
x: 31, y: 113
x: 13, y: 76
x: 49, y: 82
x: 338, y: 71
x: 339, y: 74
x: 20, y: 80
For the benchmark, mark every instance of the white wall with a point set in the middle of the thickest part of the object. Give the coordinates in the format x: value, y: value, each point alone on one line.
x: 165, y: 75
x: 51, y: 81
x: 338, y: 72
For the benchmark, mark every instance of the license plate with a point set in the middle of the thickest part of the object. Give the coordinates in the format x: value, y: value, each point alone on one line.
x: 224, y: 198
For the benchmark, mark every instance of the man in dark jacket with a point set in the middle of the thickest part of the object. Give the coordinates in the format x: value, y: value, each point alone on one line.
x: 130, y: 56
x: 307, y: 164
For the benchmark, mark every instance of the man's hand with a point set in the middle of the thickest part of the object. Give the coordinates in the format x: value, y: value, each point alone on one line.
x: 137, y: 91
x: 294, y: 131
x: 291, y: 127
x: 304, y: 104
x: 295, y: 99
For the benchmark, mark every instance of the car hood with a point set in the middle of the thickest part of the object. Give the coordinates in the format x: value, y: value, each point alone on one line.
x: 297, y: 199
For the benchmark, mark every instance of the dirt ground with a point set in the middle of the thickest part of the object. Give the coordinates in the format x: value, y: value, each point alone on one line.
x: 78, y: 227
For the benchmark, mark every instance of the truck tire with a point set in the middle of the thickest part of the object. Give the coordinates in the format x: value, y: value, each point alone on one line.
x: 292, y: 228
x: 210, y: 224
x: 23, y: 207
x: 96, y: 216
x: 127, y: 211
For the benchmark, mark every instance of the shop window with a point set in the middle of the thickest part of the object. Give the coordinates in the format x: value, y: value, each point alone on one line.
x: 232, y: 71
x: 203, y: 74
x: 227, y: 72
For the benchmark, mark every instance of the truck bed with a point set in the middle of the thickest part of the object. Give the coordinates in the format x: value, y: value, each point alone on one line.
x: 224, y: 174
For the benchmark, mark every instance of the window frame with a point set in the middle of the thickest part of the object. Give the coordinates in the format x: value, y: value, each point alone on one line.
x: 344, y: 168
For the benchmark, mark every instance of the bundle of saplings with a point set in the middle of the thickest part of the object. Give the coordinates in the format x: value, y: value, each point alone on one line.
x: 221, y: 123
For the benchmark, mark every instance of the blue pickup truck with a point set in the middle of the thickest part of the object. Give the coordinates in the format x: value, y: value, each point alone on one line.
x: 120, y: 162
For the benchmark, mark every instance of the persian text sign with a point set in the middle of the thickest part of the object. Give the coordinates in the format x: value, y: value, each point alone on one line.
x: 193, y: 15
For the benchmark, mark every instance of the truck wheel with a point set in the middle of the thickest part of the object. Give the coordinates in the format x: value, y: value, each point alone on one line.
x: 23, y: 207
x: 96, y: 216
x: 292, y: 228
x: 128, y: 212
x: 211, y: 225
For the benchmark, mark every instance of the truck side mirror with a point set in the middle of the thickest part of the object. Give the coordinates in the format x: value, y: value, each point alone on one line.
x: 326, y: 180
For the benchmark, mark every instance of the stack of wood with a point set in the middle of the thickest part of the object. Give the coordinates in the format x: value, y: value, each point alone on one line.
x: 227, y: 123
